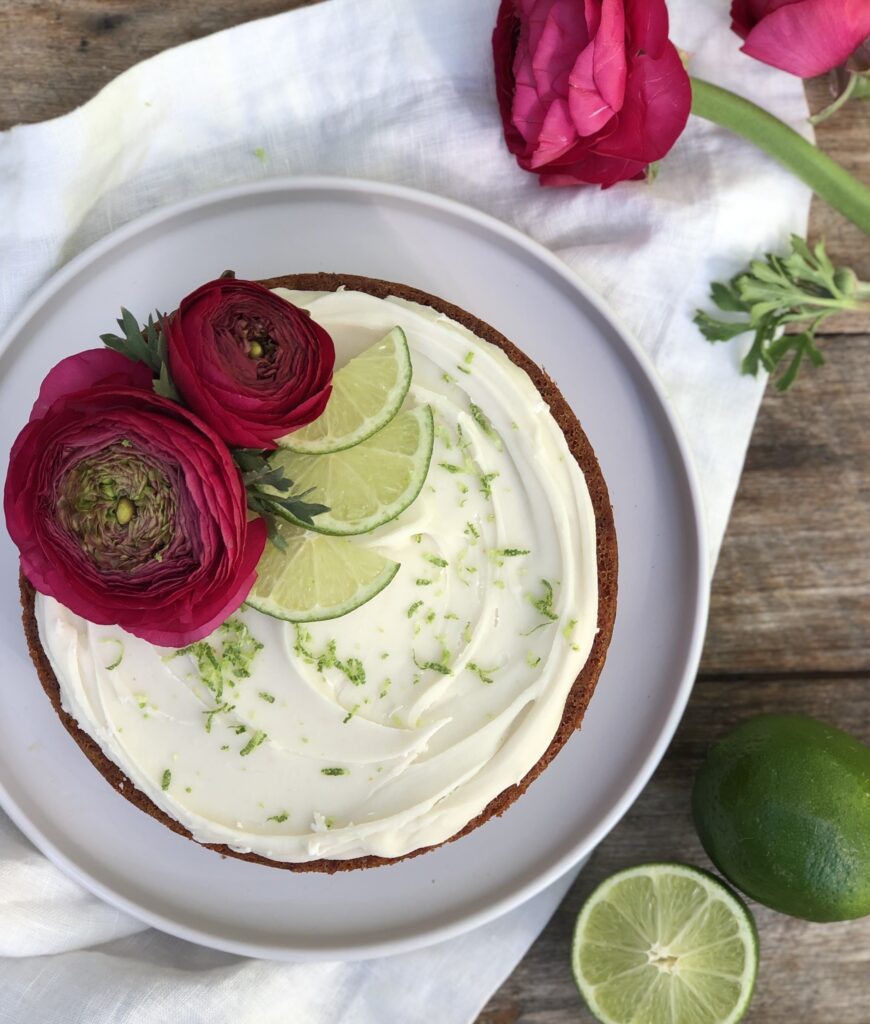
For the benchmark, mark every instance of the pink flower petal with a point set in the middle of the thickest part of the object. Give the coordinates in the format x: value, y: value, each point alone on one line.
x: 527, y: 111
x: 165, y: 636
x: 558, y: 134
x: 83, y: 370
x: 745, y: 14
x: 549, y: 37
x: 809, y: 37
x: 554, y: 48
x: 597, y: 80
x: 593, y: 169
x: 657, y: 104
x: 647, y: 26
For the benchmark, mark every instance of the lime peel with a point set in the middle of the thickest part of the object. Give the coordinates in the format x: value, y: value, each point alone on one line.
x: 367, y: 392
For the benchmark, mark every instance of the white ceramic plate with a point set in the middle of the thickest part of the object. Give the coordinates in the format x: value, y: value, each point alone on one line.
x: 287, y: 226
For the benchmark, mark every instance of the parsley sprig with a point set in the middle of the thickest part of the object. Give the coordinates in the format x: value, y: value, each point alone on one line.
x: 803, y: 287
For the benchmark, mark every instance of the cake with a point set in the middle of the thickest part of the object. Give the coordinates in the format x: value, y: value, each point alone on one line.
x: 417, y: 717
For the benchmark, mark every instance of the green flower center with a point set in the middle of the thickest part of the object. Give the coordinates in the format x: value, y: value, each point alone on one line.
x: 120, y: 506
x: 254, y: 338
x: 124, y: 511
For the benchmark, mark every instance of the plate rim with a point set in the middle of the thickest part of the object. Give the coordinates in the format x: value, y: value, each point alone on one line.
x: 699, y: 550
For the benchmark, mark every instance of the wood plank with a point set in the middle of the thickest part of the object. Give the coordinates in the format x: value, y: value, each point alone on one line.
x: 792, y: 589
x: 59, y: 53
x: 845, y: 137
x: 809, y: 972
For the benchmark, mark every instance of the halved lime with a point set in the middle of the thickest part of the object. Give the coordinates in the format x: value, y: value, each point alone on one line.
x: 367, y: 392
x: 317, y: 577
x: 369, y: 484
x: 665, y: 944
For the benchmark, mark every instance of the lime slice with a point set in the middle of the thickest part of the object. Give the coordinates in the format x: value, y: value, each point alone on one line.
x: 369, y: 484
x: 366, y: 394
x: 665, y: 944
x: 317, y: 577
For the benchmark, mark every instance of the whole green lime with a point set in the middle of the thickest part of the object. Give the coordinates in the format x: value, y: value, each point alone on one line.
x: 782, y: 806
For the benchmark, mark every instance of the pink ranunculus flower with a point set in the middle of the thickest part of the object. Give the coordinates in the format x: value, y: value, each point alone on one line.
x: 590, y: 91
x: 804, y: 37
x: 252, y: 365
x: 127, y: 508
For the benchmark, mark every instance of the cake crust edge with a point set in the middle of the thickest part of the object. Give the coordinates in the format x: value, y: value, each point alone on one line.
x: 584, y: 686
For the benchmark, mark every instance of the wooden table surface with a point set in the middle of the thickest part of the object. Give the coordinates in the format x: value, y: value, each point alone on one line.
x: 791, y: 598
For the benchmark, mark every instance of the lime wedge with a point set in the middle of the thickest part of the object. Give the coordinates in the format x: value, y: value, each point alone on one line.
x: 369, y: 484
x: 366, y: 394
x: 317, y: 577
x: 665, y: 944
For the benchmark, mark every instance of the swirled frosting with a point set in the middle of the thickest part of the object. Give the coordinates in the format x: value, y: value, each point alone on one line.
x: 391, y: 728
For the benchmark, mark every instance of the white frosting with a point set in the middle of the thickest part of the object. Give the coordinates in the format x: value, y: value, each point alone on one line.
x: 407, y: 757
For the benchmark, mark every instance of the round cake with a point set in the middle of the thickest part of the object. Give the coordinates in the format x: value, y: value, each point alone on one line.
x: 414, y: 718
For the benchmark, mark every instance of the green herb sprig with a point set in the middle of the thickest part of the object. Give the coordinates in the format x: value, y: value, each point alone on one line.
x: 803, y: 287
x: 145, y: 344
x: 262, y: 480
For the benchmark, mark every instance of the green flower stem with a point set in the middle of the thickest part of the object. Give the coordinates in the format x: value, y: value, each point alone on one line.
x: 824, y: 175
x: 832, y: 108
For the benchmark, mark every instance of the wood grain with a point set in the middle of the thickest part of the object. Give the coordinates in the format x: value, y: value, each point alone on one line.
x: 845, y: 137
x: 792, y: 589
x: 790, y: 613
x: 58, y: 53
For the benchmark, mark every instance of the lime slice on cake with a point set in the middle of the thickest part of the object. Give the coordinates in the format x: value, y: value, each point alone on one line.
x: 316, y: 577
x: 369, y: 484
x: 366, y: 394
x: 665, y: 944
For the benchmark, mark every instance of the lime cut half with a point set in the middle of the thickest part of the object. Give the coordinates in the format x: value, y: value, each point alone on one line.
x: 367, y: 392
x: 316, y: 577
x: 665, y: 944
x: 369, y: 484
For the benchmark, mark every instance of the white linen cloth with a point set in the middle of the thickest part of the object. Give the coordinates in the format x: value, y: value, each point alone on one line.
x: 398, y: 91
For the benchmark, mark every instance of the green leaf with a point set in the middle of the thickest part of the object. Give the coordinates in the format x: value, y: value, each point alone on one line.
x: 258, y: 473
x: 726, y: 297
x: 248, y: 459
x: 139, y: 344
x: 822, y: 259
x: 164, y: 386
x: 719, y: 330
x: 800, y: 247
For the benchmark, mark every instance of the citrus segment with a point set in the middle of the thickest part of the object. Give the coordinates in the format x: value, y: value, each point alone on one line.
x: 367, y: 392
x: 665, y: 944
x: 316, y: 577
x: 371, y: 483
